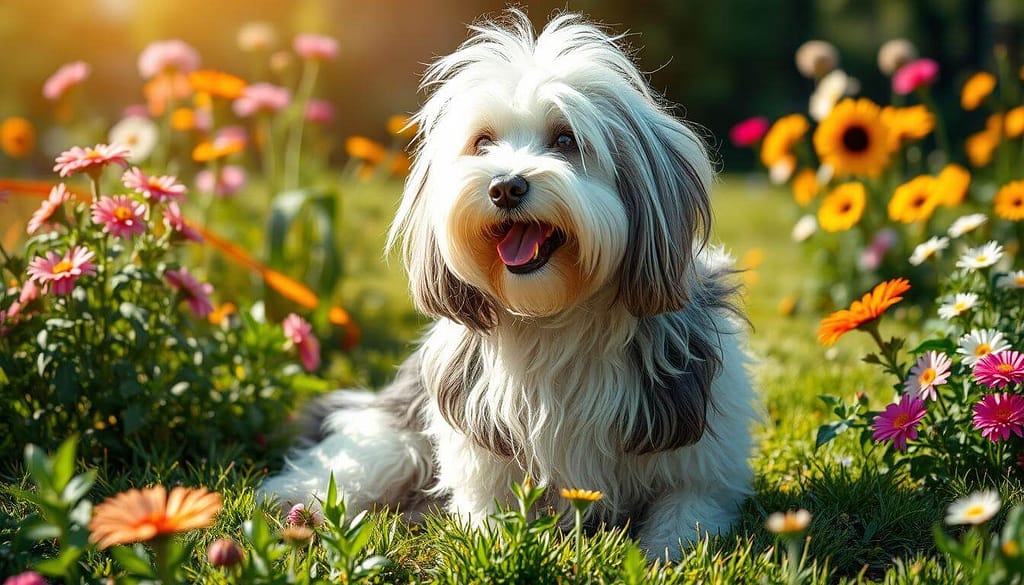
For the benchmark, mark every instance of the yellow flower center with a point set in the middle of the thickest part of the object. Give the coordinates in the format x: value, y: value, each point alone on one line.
x: 93, y: 153
x: 959, y: 306
x: 981, y: 258
x: 1019, y: 281
x: 927, y: 376
x: 1004, y: 368
x: 901, y: 420
x: 982, y: 350
x: 62, y: 267
x: 123, y: 213
x: 975, y: 511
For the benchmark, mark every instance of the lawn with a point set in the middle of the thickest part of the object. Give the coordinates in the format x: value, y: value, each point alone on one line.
x: 869, y: 524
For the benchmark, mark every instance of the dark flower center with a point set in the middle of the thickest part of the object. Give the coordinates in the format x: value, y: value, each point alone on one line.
x: 856, y: 139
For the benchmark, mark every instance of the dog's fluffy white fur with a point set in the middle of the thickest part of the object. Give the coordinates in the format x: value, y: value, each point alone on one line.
x: 611, y: 359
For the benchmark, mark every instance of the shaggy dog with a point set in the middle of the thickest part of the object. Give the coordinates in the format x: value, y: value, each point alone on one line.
x: 555, y: 223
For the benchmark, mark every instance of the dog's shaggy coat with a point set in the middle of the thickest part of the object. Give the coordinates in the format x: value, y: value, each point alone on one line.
x: 555, y: 223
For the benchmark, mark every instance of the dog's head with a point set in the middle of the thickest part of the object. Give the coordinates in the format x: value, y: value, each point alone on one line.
x: 547, y: 172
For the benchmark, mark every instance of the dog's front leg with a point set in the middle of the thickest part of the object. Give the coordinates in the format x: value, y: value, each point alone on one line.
x: 474, y: 479
x: 678, y: 519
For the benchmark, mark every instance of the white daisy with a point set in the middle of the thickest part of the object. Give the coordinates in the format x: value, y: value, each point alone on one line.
x: 979, y: 343
x: 980, y: 257
x: 1013, y: 279
x: 804, y: 228
x: 966, y: 224
x: 926, y: 250
x: 139, y: 134
x: 781, y: 171
x: 958, y: 305
x: 976, y: 508
x: 788, y: 523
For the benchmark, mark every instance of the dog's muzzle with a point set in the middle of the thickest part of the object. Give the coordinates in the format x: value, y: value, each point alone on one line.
x: 507, y: 191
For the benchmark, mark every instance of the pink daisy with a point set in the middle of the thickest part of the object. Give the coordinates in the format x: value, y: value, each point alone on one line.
x: 899, y: 421
x: 120, y: 216
x: 195, y: 293
x: 62, y: 272
x: 319, y: 112
x: 153, y: 187
x: 58, y: 196
x: 998, y: 415
x: 164, y: 56
x: 318, y: 47
x: 232, y: 179
x: 749, y: 132
x: 913, y: 75
x: 65, y: 78
x: 261, y: 97
x: 300, y: 333
x: 176, y: 222
x: 999, y: 369
x: 26, y: 578
x: 931, y: 370
x: 92, y: 159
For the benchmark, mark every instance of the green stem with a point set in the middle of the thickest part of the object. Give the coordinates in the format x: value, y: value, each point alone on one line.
x: 579, y: 539
x: 940, y: 126
x: 794, y: 559
x: 294, y: 149
x: 162, y: 557
x: 269, y: 162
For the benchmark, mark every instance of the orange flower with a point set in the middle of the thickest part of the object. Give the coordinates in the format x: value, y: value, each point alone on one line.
x: 1014, y: 122
x: 952, y: 184
x: 207, y: 150
x: 164, y: 88
x: 217, y: 83
x: 401, y: 127
x: 976, y: 89
x: 805, y: 187
x: 867, y: 309
x: 141, y: 515
x: 365, y: 149
x: 183, y: 119
x: 1009, y: 201
x: 17, y: 137
x: 982, y: 145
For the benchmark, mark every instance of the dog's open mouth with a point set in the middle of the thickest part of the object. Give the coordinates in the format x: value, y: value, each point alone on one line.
x: 526, y: 246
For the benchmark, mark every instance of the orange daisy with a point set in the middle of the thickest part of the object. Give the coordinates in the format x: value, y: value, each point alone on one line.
x: 1009, y: 201
x: 141, y: 515
x: 867, y: 309
x: 216, y: 83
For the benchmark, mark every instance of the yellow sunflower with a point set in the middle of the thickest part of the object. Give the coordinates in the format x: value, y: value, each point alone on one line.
x: 980, y: 146
x: 779, y: 141
x: 1009, y: 201
x: 977, y: 88
x: 906, y: 124
x: 1014, y: 122
x: 951, y: 185
x: 805, y: 186
x: 843, y: 207
x: 853, y: 140
x: 914, y: 200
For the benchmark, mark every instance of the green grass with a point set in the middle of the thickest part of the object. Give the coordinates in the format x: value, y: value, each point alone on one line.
x: 869, y: 525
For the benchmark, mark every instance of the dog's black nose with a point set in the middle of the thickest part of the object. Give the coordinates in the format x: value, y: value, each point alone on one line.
x: 506, y: 191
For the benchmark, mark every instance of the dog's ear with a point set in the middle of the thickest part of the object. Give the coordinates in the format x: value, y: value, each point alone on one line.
x: 436, y: 291
x: 663, y: 176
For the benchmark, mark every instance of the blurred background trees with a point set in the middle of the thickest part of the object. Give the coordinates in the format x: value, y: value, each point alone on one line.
x: 723, y: 60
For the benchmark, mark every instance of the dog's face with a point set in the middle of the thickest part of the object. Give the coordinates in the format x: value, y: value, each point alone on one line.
x: 547, y: 173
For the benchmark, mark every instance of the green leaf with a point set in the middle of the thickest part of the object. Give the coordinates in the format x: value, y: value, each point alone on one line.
x: 66, y: 383
x: 324, y: 267
x: 133, y: 560
x: 61, y: 564
x: 64, y: 462
x: 39, y: 467
x: 943, y: 345
x: 78, y: 486
x: 830, y: 431
x: 133, y: 417
x: 35, y: 529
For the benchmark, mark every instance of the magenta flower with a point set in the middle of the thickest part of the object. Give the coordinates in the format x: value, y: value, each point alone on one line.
x: 317, y: 47
x: 157, y: 188
x: 999, y: 369
x: 91, y: 160
x: 42, y: 216
x: 914, y: 75
x: 749, y: 132
x: 319, y: 112
x: 300, y: 333
x: 165, y: 56
x: 195, y: 293
x: 300, y: 516
x: 26, y: 578
x: 998, y: 415
x: 174, y: 220
x: 62, y: 272
x: 931, y: 370
x: 261, y: 97
x: 232, y: 179
x: 899, y: 421
x: 120, y: 216
x: 65, y: 78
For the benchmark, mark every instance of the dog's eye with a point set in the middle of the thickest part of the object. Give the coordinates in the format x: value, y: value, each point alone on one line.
x: 564, y: 141
x: 483, y: 142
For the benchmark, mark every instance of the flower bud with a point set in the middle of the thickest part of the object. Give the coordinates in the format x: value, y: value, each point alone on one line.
x: 895, y: 54
x: 815, y: 59
x: 224, y: 552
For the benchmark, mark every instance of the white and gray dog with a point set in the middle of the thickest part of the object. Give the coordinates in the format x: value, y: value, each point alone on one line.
x: 555, y: 222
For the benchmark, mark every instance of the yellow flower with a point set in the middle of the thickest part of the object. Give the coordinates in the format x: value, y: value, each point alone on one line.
x: 208, y: 150
x: 914, y: 200
x: 843, y: 207
x: 853, y: 140
x: 951, y: 185
x: 805, y: 186
x: 1009, y: 201
x: 1014, y: 122
x: 581, y: 499
x: 141, y: 515
x: 906, y: 124
x: 183, y: 119
x: 17, y: 137
x: 778, y: 143
x: 977, y: 88
x: 980, y: 146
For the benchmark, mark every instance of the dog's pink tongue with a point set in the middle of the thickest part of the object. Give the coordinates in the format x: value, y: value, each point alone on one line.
x: 522, y: 242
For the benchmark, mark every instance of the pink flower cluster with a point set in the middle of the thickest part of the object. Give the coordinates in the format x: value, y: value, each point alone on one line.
x: 65, y: 78
x: 300, y: 334
x: 58, y: 274
x: 168, y: 56
x: 915, y: 75
x: 119, y: 216
x: 91, y: 160
x: 195, y: 293
x: 261, y: 97
x: 156, y: 188
x: 316, y: 47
